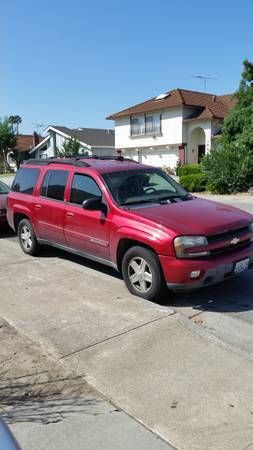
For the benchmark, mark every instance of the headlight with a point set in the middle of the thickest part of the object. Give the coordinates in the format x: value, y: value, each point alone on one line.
x: 190, y: 246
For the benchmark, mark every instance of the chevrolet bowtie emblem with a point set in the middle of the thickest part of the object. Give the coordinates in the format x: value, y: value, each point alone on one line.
x: 235, y: 241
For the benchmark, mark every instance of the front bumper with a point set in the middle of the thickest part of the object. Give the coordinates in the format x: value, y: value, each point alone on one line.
x: 213, y: 270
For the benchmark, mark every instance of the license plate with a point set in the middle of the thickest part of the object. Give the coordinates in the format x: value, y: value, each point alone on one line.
x: 241, y: 266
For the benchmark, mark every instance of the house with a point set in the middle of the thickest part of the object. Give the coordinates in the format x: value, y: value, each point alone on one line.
x: 179, y: 125
x: 92, y: 141
x: 24, y: 144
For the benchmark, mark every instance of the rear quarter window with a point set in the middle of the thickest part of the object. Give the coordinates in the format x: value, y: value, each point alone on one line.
x: 25, y: 180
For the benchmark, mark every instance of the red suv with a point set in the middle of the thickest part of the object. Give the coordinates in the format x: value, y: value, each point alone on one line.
x: 132, y: 217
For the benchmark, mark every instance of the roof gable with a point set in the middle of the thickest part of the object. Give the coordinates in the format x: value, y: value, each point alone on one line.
x: 93, y: 137
x: 218, y: 105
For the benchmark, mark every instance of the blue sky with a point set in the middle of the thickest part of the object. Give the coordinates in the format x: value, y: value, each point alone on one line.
x: 73, y: 63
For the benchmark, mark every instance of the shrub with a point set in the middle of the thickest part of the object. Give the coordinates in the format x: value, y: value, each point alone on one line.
x: 195, y: 182
x: 229, y: 169
x: 189, y: 169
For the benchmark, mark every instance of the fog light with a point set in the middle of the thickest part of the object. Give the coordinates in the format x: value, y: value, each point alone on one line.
x: 195, y: 274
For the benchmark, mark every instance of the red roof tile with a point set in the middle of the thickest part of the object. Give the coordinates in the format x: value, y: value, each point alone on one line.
x: 26, y: 142
x: 218, y: 105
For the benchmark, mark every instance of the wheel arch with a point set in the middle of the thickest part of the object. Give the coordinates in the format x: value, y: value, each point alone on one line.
x: 18, y: 216
x: 124, y: 245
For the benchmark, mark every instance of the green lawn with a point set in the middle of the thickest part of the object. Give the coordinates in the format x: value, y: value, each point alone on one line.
x: 6, y: 174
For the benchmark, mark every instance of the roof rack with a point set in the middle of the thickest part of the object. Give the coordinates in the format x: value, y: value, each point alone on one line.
x: 45, y: 162
x: 79, y: 161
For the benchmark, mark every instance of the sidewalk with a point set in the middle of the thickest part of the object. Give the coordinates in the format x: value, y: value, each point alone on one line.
x: 49, y: 407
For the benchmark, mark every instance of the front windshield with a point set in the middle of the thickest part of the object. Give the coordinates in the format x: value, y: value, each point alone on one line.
x: 4, y: 189
x: 130, y: 187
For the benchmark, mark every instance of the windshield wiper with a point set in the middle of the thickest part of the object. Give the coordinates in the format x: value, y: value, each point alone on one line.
x: 175, y: 196
x: 139, y: 202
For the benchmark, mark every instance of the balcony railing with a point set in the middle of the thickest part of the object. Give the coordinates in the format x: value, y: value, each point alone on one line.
x: 153, y: 130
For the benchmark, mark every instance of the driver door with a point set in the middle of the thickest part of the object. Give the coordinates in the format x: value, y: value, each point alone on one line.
x: 86, y: 231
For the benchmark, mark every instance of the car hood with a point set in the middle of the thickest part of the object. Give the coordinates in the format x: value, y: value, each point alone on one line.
x: 3, y: 201
x: 196, y: 217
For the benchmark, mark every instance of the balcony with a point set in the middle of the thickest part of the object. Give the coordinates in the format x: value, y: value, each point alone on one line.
x: 150, y: 130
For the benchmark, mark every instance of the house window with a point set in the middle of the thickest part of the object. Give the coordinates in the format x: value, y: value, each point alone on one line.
x: 152, y: 124
x: 137, y: 126
x: 149, y: 124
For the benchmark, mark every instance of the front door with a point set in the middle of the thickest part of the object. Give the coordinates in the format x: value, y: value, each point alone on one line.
x: 86, y: 231
x: 201, y: 152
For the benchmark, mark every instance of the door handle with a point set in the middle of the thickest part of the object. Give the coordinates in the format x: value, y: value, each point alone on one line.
x: 70, y: 214
x: 38, y: 206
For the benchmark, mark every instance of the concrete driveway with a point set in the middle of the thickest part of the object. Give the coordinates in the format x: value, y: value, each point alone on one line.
x: 183, y: 369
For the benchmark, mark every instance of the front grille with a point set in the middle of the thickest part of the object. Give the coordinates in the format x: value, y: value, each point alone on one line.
x: 227, y: 235
x: 230, y: 248
x: 222, y: 243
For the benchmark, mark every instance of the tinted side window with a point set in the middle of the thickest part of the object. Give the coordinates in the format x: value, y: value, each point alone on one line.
x: 83, y: 187
x: 25, y: 180
x: 54, y: 183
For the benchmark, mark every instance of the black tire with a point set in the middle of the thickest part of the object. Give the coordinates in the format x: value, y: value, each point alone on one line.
x: 151, y: 278
x: 29, y: 245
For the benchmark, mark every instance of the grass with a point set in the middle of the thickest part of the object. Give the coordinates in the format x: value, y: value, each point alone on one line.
x: 10, y: 174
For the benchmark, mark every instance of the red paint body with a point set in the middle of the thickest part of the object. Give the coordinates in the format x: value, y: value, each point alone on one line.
x: 156, y: 226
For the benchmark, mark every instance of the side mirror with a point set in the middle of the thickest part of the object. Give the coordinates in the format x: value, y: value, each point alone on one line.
x: 93, y: 204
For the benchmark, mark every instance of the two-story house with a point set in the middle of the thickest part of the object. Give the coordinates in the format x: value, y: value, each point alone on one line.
x: 179, y: 125
x: 93, y: 141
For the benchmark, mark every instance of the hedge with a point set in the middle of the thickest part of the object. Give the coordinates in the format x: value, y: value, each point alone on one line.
x: 195, y: 182
x: 189, y: 169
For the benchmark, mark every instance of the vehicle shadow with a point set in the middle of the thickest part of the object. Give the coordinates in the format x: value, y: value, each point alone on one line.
x: 6, y: 232
x: 232, y: 296
x: 52, y: 252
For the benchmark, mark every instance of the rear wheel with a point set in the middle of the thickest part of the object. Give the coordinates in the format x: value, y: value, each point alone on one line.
x: 27, y: 238
x: 142, y: 273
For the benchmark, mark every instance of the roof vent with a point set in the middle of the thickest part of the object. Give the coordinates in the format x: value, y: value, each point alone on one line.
x: 162, y: 96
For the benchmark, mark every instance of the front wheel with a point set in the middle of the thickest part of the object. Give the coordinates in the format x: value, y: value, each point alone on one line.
x: 27, y: 238
x: 142, y: 273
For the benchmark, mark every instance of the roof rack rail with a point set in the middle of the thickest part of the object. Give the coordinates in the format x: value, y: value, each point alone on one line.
x: 45, y: 162
x: 79, y: 161
x: 110, y: 158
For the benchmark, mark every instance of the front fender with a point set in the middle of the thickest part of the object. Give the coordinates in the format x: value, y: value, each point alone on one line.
x: 156, y: 239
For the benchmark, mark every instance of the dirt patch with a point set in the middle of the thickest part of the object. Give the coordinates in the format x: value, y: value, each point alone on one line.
x: 34, y: 387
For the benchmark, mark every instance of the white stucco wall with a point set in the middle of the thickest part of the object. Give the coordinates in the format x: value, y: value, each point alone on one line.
x: 157, y: 156
x: 171, y: 131
x: 193, y: 140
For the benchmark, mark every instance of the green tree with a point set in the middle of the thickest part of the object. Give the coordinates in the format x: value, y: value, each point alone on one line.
x: 229, y: 166
x: 71, y: 148
x: 15, y: 120
x: 7, y: 142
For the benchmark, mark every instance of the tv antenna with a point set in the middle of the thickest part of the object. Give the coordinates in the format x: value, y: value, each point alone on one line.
x: 39, y: 127
x: 204, y: 79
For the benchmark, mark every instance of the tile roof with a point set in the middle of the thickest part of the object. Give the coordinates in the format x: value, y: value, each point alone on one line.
x: 210, y: 105
x: 95, y: 137
x: 25, y: 142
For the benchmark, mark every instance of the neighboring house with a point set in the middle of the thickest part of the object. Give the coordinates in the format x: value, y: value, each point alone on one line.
x: 93, y: 141
x: 179, y: 125
x: 24, y: 144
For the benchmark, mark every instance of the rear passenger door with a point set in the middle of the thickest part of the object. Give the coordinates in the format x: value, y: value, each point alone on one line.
x: 85, y: 230
x: 50, y: 207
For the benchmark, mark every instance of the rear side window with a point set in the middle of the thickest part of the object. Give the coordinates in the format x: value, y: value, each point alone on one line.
x: 54, y: 184
x: 25, y: 180
x: 83, y: 188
